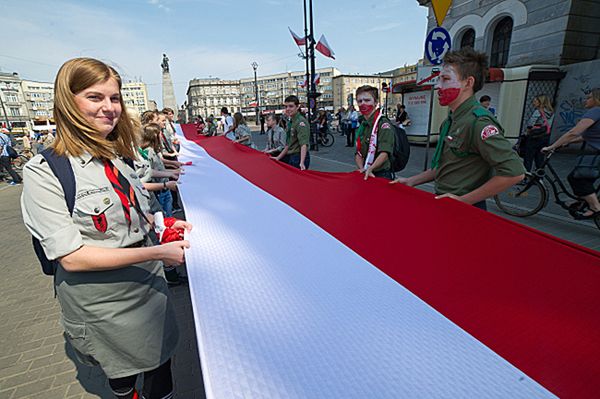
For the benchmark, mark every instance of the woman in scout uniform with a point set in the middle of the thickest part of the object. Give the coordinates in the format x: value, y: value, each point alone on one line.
x: 115, y: 303
x: 472, y: 160
x: 375, y: 141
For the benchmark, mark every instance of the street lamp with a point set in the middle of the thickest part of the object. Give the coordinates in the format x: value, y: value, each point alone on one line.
x: 257, y: 107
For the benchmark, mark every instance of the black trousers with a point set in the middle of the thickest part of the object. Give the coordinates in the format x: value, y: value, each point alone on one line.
x: 158, y: 384
x: 350, y: 136
x: 533, y: 151
x: 6, y: 165
x: 581, y: 187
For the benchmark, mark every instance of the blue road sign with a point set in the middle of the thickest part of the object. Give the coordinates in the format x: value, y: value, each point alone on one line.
x: 437, y: 44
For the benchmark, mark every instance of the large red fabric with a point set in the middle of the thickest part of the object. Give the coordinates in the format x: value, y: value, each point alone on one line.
x: 532, y: 298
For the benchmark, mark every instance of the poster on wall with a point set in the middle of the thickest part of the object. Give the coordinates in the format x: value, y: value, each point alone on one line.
x: 417, y: 107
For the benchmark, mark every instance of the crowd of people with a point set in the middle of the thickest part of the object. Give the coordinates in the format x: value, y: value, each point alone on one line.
x: 111, y: 277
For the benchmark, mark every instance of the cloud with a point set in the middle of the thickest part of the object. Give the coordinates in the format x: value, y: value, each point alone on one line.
x: 384, y: 27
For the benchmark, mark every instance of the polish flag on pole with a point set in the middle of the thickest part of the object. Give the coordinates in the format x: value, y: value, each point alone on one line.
x: 317, y: 79
x: 300, y: 41
x: 253, y: 103
x: 324, y: 48
x: 302, y: 83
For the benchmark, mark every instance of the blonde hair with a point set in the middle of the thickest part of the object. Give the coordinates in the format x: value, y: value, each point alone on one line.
x: 238, y: 119
x: 545, y: 103
x: 595, y: 94
x: 74, y: 134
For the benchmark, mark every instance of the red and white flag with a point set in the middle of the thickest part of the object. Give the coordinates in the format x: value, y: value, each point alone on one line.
x: 302, y: 83
x: 300, y: 41
x: 324, y: 48
x: 289, y: 294
x: 317, y: 79
x: 253, y: 103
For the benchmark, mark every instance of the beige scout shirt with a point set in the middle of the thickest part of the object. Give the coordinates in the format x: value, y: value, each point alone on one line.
x: 122, y: 319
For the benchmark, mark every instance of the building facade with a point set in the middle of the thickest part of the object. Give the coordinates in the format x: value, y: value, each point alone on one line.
x: 135, y: 97
x: 207, y: 97
x: 39, y: 97
x: 344, y: 87
x: 553, y: 45
x: 13, y: 108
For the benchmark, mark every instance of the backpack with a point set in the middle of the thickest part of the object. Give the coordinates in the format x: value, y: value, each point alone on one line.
x: 401, y: 152
x: 61, y: 167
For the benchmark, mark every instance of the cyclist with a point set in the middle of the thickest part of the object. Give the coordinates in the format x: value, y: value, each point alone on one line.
x: 588, y: 131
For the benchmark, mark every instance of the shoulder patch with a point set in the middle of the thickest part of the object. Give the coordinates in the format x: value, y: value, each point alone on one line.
x: 489, y: 131
x: 386, y: 125
x: 301, y: 124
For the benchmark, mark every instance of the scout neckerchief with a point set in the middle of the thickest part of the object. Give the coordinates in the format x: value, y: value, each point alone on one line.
x: 440, y: 144
x: 373, y: 141
x: 122, y: 187
x: 143, y: 152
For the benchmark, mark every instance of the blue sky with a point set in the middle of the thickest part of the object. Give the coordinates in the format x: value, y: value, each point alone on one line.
x: 218, y: 38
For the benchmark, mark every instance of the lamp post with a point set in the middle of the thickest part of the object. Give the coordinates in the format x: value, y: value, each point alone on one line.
x: 257, y: 107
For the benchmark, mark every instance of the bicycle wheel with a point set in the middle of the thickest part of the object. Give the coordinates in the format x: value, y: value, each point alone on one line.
x: 327, y: 140
x: 523, y: 199
x: 19, y: 162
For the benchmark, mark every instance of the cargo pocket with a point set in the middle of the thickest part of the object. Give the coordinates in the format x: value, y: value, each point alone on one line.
x: 93, y: 213
x: 77, y: 336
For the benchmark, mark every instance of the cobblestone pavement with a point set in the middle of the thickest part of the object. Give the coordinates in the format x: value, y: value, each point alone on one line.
x: 34, y: 362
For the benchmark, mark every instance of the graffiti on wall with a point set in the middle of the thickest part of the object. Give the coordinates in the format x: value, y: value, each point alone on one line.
x: 578, y: 82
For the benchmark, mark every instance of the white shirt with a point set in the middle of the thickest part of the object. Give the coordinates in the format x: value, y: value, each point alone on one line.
x: 227, y: 122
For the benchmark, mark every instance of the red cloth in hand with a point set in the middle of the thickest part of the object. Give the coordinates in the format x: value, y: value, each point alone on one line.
x: 170, y: 234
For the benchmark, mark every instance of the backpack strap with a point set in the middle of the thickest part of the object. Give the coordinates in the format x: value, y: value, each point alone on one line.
x: 61, y: 167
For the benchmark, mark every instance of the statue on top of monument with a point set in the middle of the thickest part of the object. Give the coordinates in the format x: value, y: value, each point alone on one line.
x: 165, y: 63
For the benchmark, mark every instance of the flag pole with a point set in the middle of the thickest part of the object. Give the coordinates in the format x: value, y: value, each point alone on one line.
x: 306, y: 52
x: 312, y: 94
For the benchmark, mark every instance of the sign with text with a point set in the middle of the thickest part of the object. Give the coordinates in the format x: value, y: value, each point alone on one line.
x: 417, y: 107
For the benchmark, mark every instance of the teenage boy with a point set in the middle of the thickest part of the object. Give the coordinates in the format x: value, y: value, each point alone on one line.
x: 295, y: 153
x: 472, y: 161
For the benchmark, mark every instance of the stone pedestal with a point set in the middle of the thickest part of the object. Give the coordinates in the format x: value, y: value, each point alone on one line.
x: 168, y: 93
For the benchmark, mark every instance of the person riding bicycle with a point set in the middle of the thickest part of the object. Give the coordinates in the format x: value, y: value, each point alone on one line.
x: 587, y: 130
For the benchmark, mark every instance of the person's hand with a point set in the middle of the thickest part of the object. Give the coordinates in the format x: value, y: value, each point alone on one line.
x: 182, y: 224
x: 173, y: 253
x: 547, y: 149
x: 172, y: 185
x: 449, y: 195
x: 274, y: 158
x: 369, y: 173
x: 302, y: 167
x: 402, y: 180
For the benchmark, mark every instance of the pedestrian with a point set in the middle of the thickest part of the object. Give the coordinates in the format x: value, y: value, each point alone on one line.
x: 402, y: 119
x: 375, y: 141
x: 243, y: 134
x: 115, y: 303
x: 262, y: 124
x: 169, y: 131
x: 5, y: 160
x: 351, y: 126
x: 276, y: 137
x: 588, y: 131
x: 537, y: 134
x: 295, y: 152
x: 340, y: 116
x: 472, y: 160
x: 227, y: 124
x: 486, y: 102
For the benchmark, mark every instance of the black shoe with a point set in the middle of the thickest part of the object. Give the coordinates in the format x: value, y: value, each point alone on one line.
x: 172, y: 277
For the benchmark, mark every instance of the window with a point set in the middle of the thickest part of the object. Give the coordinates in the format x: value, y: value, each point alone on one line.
x: 468, y: 39
x: 501, y: 42
x: 15, y: 112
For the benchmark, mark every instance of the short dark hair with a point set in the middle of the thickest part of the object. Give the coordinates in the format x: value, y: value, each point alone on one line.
x: 271, y: 116
x: 485, y: 98
x: 292, y: 99
x: 224, y: 110
x: 469, y: 62
x: 167, y: 110
x: 402, y: 106
x: 370, y: 90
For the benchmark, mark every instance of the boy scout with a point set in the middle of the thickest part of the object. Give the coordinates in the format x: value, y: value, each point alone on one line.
x: 472, y: 143
x: 295, y: 152
x: 373, y: 146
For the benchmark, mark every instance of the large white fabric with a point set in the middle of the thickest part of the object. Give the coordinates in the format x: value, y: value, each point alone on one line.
x: 284, y: 310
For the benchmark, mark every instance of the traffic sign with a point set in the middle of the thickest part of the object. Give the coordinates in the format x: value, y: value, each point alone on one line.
x: 427, y: 75
x: 437, y: 44
x: 440, y: 9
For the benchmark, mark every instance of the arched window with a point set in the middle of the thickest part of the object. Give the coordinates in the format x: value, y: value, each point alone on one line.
x: 468, y: 39
x: 501, y: 42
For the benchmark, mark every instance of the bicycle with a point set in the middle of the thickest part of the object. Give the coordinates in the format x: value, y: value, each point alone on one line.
x: 530, y: 196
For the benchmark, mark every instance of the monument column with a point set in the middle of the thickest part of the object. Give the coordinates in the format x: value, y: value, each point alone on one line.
x: 168, y: 93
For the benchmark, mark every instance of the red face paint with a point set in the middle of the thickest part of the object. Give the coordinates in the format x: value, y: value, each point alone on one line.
x: 447, y: 96
x: 366, y: 109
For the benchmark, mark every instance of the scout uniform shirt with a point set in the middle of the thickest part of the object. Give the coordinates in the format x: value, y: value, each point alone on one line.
x: 122, y: 319
x: 385, y: 140
x: 472, y: 148
x: 298, y: 133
